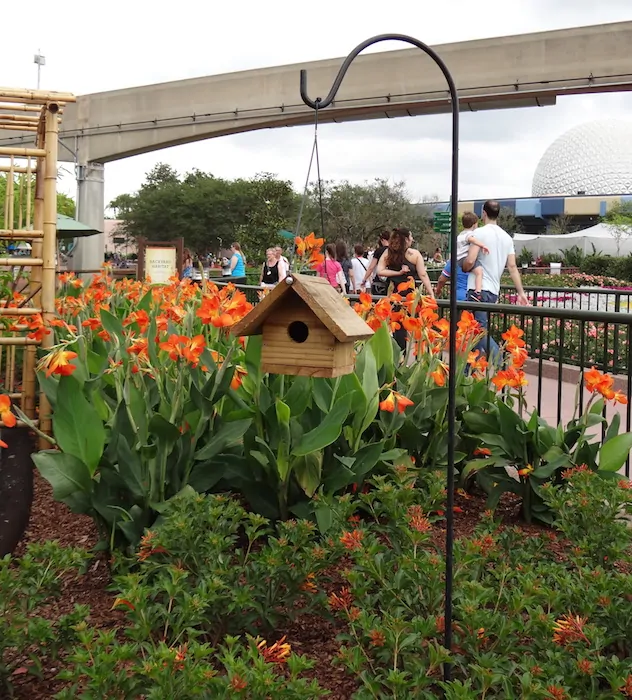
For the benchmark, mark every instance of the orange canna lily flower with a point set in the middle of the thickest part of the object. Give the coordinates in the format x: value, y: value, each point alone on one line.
x: 173, y: 346
x: 59, y: 362
x: 510, y: 377
x: 6, y: 415
x: 403, y: 402
x: 388, y: 404
x: 92, y: 323
x: 238, y: 377
x: 513, y: 337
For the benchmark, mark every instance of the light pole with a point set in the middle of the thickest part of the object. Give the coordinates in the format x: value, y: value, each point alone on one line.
x: 39, y: 61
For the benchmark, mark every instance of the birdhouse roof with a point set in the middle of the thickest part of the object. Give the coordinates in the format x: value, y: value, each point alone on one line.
x: 328, y: 305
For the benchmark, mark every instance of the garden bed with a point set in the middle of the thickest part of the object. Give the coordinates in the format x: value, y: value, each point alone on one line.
x: 310, y: 634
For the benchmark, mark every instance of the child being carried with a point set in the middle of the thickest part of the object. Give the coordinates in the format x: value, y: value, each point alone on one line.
x: 469, y: 220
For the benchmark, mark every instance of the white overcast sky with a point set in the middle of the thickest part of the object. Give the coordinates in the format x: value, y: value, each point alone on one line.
x: 95, y: 46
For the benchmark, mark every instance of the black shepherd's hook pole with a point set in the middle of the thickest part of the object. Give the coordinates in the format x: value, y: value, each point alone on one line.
x: 319, y: 103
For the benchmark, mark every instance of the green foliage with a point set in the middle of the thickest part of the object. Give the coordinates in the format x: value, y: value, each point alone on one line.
x: 597, y: 264
x: 28, y: 641
x: 573, y: 256
x: 528, y: 617
x: 105, y: 667
x: 526, y: 453
x: 525, y: 257
x: 359, y: 213
x: 575, y: 514
x: 123, y: 450
x: 209, y: 212
x: 310, y: 435
x: 508, y: 221
x: 235, y: 573
x: 618, y: 219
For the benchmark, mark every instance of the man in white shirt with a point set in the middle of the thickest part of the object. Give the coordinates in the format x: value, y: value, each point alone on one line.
x: 501, y: 254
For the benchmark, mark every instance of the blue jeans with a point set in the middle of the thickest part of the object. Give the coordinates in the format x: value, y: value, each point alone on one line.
x: 483, y: 318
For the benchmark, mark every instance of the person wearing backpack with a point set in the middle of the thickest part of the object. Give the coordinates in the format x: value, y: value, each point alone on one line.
x: 360, y: 265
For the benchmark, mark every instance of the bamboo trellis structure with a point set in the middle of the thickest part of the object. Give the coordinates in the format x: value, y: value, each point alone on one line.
x: 30, y: 216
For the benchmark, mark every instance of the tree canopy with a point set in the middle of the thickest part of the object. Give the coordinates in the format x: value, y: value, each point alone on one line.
x: 359, y: 213
x: 208, y: 212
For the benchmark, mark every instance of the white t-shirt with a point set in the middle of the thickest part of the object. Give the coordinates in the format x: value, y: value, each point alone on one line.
x: 501, y: 246
x: 359, y: 267
x: 463, y: 244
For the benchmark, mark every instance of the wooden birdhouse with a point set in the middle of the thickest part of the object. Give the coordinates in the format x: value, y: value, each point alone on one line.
x: 308, y: 329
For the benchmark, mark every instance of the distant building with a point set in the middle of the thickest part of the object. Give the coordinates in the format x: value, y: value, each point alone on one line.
x: 537, y: 213
x: 116, y: 242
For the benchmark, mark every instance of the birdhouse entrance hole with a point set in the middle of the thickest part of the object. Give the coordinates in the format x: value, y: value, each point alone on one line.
x: 298, y: 331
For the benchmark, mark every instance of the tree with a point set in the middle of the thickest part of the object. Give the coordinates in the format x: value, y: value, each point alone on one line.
x: 208, y: 212
x: 358, y: 213
x: 507, y: 220
x: 561, y: 225
x: 618, y: 219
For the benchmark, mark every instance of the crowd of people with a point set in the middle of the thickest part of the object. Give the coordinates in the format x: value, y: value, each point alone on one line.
x: 483, y: 253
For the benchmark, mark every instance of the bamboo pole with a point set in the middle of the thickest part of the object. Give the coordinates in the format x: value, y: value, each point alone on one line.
x: 20, y: 202
x: 8, y: 107
x: 22, y: 262
x: 19, y: 234
x: 29, y: 188
x: 13, y: 127
x: 22, y: 152
x: 10, y: 194
x: 49, y: 246
x: 26, y: 118
x: 16, y: 169
x: 10, y: 385
x: 12, y: 342
x: 29, y: 380
x: 39, y: 95
x: 19, y: 311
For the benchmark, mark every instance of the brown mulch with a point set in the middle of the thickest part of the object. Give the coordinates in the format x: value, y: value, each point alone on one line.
x: 310, y: 635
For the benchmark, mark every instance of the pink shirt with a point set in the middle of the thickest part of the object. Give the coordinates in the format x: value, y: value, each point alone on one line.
x: 329, y: 269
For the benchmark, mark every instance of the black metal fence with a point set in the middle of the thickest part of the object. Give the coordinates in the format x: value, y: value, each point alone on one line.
x: 562, y: 343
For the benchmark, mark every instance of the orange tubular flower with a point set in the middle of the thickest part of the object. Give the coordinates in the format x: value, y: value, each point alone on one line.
x: 352, y: 540
x: 277, y: 653
x: 7, y: 417
x: 569, y: 629
x: 58, y: 362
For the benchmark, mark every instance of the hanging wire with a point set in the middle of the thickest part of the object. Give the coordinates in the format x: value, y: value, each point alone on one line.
x: 315, y: 155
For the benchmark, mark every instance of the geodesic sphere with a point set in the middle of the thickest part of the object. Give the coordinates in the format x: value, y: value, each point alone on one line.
x: 594, y: 158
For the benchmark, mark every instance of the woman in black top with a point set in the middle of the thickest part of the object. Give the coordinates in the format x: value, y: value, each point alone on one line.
x: 378, y: 287
x: 345, y: 263
x: 270, y: 270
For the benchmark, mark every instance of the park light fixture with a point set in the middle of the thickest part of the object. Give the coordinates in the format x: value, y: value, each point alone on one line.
x: 39, y: 60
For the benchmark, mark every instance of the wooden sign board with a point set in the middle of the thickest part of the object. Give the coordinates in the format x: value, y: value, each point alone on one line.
x: 159, y: 260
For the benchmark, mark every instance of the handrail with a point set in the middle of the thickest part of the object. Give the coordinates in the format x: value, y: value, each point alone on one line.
x: 570, y: 290
x: 540, y: 311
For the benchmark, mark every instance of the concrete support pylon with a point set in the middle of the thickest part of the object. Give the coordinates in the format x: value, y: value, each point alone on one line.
x: 89, y: 253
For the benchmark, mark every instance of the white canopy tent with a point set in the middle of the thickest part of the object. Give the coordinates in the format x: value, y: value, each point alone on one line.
x: 602, y: 236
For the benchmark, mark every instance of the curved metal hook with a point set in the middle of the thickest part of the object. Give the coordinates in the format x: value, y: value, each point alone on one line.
x: 320, y: 103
